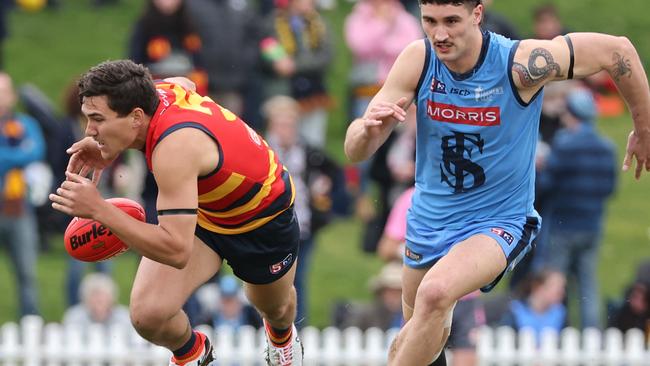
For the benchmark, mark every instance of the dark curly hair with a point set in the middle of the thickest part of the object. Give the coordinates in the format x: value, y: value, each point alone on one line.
x: 126, y: 85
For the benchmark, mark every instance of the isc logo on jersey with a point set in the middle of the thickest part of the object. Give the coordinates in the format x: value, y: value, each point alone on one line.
x: 438, y: 86
x: 476, y: 116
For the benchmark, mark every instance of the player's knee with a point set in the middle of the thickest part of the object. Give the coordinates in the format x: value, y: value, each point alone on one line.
x: 280, y: 312
x: 434, y: 295
x: 146, y: 317
x: 144, y: 323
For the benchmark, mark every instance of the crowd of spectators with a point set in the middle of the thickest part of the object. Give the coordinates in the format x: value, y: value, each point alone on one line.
x: 270, y: 67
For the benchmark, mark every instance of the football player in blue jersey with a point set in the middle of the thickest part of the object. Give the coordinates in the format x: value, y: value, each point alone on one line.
x: 478, y: 97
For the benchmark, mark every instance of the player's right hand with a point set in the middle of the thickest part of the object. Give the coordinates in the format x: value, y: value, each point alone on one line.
x: 381, y: 112
x: 85, y: 157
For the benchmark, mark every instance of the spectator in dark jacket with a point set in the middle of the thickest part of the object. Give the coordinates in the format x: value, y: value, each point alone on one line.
x: 231, y: 33
x: 579, y: 175
x: 164, y: 40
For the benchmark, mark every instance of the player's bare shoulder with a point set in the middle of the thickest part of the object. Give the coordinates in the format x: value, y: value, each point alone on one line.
x: 416, y: 50
x: 412, y: 58
x: 408, y: 66
x: 190, y: 148
x: 537, y: 62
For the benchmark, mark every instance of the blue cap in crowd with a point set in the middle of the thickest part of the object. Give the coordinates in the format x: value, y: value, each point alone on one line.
x: 580, y: 103
x: 228, y: 286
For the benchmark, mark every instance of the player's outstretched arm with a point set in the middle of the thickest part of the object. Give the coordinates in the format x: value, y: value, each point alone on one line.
x: 617, y: 55
x: 367, y: 133
x: 538, y: 62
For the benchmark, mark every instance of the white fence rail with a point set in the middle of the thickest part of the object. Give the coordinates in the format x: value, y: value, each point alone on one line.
x: 34, y: 343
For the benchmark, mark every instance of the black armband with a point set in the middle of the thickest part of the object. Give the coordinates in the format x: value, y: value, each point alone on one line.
x: 178, y: 211
x: 571, y: 56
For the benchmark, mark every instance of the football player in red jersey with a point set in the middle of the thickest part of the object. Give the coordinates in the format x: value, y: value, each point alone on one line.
x: 223, y: 194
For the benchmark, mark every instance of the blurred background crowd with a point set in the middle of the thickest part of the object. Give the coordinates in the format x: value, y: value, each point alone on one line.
x: 298, y: 71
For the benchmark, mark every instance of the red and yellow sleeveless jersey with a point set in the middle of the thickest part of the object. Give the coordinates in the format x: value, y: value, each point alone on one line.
x: 249, y: 186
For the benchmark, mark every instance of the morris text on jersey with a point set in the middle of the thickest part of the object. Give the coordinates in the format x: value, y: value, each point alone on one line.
x: 476, y: 116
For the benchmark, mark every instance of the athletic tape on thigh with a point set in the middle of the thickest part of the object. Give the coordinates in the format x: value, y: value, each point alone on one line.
x: 407, y: 306
x: 450, y: 316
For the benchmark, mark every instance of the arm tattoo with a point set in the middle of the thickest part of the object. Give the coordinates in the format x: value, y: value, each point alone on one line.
x: 533, y: 75
x: 621, y: 67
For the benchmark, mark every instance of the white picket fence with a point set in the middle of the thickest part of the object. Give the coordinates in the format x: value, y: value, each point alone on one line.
x: 505, y: 347
x: 34, y: 343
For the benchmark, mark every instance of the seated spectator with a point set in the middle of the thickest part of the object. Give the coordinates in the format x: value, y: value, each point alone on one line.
x: 539, y: 305
x: 385, y: 311
x: 98, y: 293
x: 634, y: 311
x: 234, y: 311
x: 224, y: 304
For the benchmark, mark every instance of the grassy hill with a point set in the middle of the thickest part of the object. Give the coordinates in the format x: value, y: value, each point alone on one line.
x: 50, y: 48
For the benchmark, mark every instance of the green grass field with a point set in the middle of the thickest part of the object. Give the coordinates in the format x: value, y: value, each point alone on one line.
x: 50, y: 48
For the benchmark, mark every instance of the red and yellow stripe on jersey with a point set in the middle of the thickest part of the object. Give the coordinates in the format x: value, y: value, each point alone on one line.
x: 249, y: 186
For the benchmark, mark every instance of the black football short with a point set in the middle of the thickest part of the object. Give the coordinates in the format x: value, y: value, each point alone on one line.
x: 262, y: 255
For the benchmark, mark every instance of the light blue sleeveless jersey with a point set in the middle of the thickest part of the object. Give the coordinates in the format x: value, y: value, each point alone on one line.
x: 476, y: 142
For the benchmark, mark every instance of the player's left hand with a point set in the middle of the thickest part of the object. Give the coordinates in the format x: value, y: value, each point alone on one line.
x: 78, y: 196
x: 638, y: 145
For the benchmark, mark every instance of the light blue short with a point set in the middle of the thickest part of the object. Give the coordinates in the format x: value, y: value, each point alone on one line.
x: 425, y: 246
